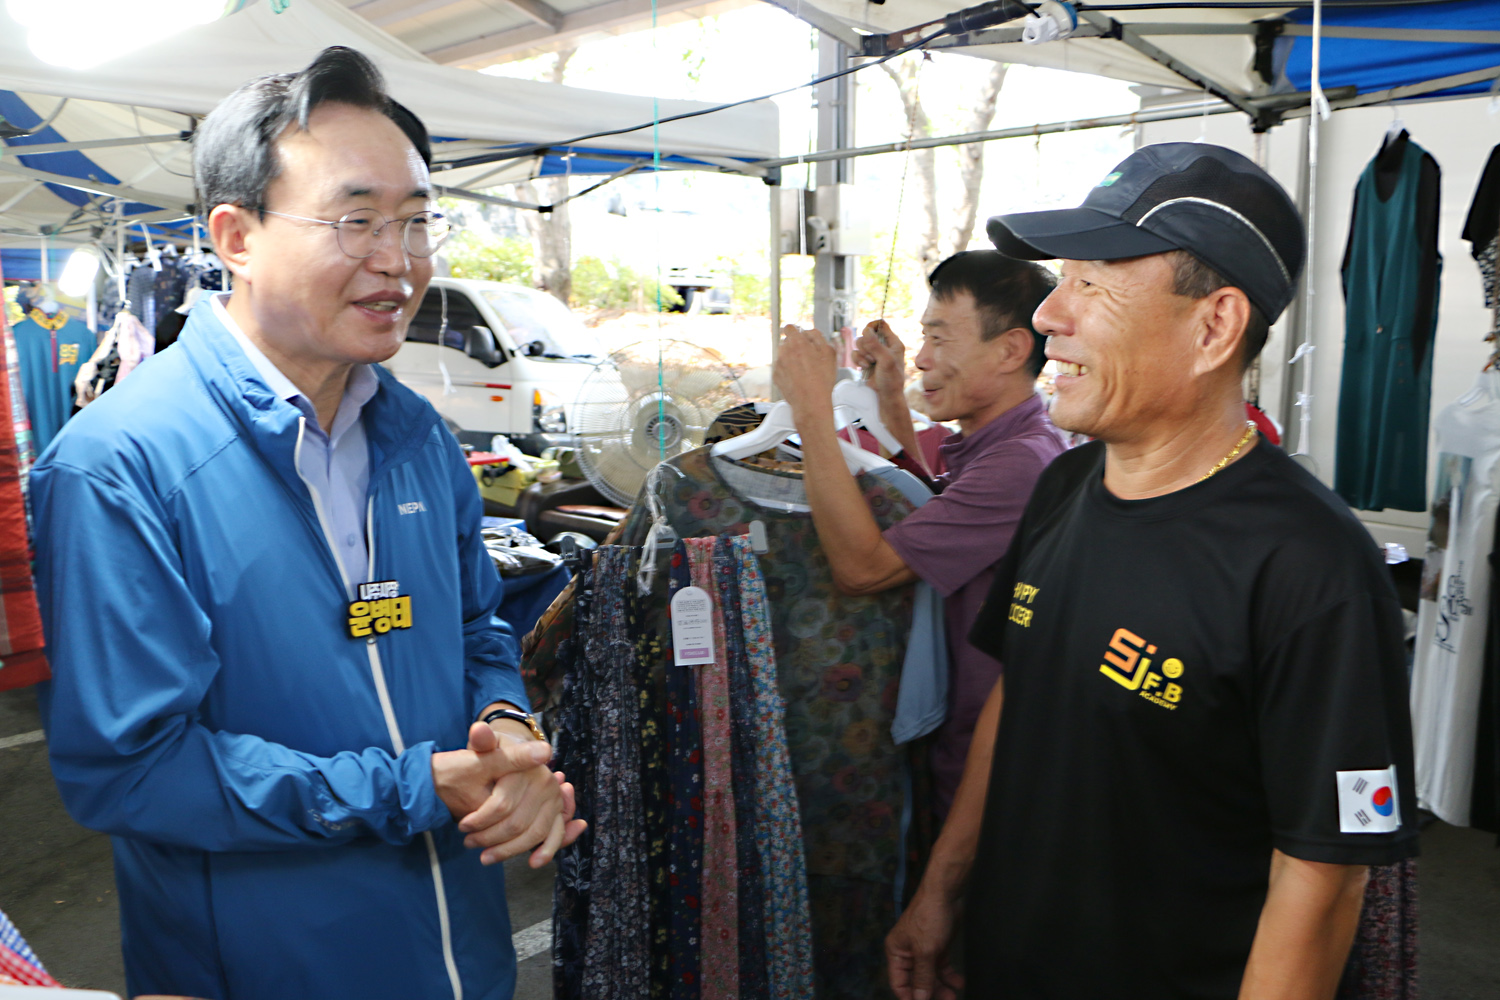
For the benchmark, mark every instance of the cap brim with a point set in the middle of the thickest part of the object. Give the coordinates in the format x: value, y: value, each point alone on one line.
x: 1071, y: 234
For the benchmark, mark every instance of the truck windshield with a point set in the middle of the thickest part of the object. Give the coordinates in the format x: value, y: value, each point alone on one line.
x: 543, y: 327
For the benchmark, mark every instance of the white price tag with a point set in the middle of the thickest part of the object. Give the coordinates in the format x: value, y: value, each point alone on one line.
x: 692, y: 627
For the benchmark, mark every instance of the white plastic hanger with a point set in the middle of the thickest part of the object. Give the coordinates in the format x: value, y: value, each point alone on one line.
x: 860, y: 402
x: 1394, y: 130
x: 778, y: 426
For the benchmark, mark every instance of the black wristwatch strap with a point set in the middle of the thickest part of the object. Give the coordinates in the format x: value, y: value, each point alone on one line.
x: 524, y: 718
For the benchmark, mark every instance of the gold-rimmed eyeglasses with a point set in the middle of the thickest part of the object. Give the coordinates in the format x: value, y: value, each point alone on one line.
x: 359, y: 233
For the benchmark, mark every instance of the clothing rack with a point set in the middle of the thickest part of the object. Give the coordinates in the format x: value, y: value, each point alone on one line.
x: 861, y: 800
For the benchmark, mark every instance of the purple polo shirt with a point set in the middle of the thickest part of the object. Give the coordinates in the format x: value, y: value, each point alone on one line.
x: 953, y: 543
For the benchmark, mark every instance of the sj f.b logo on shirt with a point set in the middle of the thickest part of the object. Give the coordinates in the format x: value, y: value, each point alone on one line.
x: 1127, y: 662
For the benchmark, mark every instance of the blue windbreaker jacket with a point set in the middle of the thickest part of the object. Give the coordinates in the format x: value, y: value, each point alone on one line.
x: 267, y: 778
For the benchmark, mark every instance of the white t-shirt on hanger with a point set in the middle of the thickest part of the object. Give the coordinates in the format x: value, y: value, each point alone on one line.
x: 1452, y: 618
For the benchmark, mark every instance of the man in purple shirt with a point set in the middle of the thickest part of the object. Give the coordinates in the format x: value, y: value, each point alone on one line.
x: 979, y: 359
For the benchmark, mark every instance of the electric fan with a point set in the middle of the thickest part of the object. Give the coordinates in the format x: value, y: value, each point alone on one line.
x: 647, y: 402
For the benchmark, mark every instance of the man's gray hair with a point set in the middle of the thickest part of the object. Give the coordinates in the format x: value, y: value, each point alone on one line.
x: 234, y: 149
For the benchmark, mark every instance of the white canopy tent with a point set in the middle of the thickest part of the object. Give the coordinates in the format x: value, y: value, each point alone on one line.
x: 120, y: 135
x: 1253, y: 55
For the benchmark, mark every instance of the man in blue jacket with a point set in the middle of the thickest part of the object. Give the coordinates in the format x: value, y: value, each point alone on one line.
x: 280, y: 682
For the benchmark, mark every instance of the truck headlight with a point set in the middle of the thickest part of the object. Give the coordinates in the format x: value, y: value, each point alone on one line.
x: 547, y: 413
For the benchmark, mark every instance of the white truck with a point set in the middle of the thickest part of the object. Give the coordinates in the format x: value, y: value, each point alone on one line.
x: 497, y: 358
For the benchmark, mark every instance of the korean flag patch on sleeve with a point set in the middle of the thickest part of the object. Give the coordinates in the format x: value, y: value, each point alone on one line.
x: 1368, y: 801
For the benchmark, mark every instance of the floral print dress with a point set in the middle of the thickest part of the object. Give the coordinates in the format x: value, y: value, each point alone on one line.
x: 835, y: 663
x: 838, y: 660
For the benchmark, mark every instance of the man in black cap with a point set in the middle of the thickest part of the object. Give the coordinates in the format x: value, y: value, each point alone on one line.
x: 1205, y: 738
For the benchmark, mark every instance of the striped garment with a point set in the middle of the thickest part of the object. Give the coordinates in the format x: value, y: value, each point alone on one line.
x: 22, y: 661
x: 19, y: 965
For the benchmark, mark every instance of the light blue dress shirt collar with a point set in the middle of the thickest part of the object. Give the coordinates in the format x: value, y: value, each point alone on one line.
x: 335, y: 465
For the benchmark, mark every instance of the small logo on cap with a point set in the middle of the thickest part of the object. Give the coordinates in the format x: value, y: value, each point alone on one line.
x: 1109, y: 181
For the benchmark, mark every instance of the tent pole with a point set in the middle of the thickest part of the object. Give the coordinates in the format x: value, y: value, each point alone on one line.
x: 46, y: 264
x: 1172, y: 113
x: 120, y: 284
x: 773, y: 254
x: 1304, y: 352
x: 1296, y: 329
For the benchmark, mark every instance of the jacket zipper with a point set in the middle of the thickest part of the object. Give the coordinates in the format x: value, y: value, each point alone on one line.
x: 383, y: 693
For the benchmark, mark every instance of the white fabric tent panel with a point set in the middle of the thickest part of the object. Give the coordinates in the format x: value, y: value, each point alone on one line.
x: 160, y: 168
x: 1226, y: 59
x: 193, y: 71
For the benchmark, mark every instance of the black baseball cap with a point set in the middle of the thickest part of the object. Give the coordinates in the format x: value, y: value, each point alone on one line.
x: 1210, y: 201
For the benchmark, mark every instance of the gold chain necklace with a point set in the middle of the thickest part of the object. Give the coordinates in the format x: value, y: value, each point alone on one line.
x: 1249, y: 433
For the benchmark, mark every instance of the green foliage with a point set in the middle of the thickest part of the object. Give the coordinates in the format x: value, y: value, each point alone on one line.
x: 499, y: 259
x: 600, y: 285
x: 904, y: 275
x: 749, y: 282
x: 752, y: 293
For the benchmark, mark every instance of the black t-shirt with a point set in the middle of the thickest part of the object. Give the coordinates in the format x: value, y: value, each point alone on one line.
x: 1185, y: 676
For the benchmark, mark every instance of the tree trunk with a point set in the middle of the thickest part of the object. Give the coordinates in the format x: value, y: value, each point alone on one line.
x: 551, y: 232
x: 971, y: 160
x: 922, y: 169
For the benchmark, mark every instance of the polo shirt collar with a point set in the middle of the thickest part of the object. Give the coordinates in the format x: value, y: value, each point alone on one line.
x: 958, y: 448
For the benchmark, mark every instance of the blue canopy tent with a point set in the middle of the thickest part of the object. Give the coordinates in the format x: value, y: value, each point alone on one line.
x: 1402, y: 48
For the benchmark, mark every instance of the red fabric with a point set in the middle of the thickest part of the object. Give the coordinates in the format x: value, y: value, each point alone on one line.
x: 22, y: 660
x: 22, y: 971
x: 1264, y: 423
x: 930, y: 439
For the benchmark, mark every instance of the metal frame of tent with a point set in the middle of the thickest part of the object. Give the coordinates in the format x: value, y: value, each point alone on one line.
x: 82, y: 151
x: 1295, y: 50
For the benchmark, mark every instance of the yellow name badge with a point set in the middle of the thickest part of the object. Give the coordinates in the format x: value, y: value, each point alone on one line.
x: 380, y: 608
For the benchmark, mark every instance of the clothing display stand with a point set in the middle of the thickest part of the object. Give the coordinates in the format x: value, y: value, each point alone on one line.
x: 839, y: 666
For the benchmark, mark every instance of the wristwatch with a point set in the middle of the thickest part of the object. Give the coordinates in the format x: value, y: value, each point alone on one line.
x: 524, y: 718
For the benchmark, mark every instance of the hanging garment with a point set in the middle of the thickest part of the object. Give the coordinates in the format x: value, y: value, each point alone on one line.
x: 617, y: 946
x: 838, y: 664
x: 1482, y: 231
x: 1390, y: 276
x: 685, y: 829
x: 141, y: 293
x: 23, y: 661
x: 124, y: 346
x: 721, y: 921
x: 19, y: 965
x: 135, y: 344
x: 754, y: 980
x: 650, y: 648
x: 1484, y: 803
x: 1383, y: 962
x: 755, y: 845
x: 20, y: 420
x: 1456, y: 582
x: 51, y: 350
x: 575, y: 758
x: 779, y: 827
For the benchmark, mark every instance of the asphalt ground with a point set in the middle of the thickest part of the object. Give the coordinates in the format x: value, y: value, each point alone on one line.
x: 57, y: 884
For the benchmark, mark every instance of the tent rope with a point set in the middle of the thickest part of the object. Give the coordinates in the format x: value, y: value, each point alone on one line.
x: 911, y: 133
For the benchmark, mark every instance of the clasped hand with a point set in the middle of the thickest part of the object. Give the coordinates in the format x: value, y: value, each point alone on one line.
x: 505, y: 798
